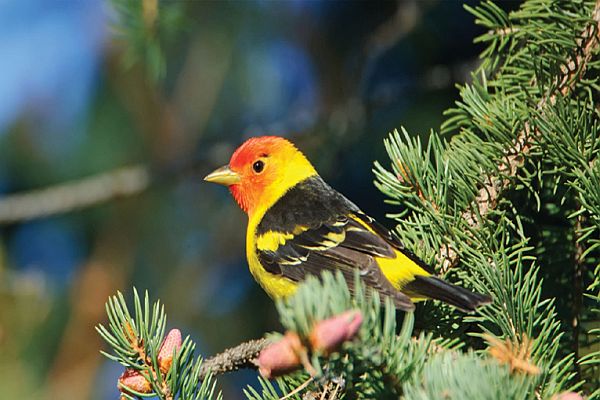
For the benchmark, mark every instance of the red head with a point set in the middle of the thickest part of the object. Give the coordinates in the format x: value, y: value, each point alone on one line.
x: 261, y: 170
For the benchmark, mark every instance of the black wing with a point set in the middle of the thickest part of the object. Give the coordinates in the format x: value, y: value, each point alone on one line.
x: 327, y: 232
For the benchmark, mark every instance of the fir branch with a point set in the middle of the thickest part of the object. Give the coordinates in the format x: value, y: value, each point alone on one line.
x: 156, y: 365
x: 241, y: 356
x: 452, y: 192
x: 488, y: 195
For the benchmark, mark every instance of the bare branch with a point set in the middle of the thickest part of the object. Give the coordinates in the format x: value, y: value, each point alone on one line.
x: 73, y: 195
x: 234, y: 358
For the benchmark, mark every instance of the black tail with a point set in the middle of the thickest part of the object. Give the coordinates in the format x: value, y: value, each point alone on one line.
x: 435, y: 288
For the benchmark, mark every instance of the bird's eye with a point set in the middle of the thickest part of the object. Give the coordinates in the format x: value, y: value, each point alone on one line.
x: 258, y: 166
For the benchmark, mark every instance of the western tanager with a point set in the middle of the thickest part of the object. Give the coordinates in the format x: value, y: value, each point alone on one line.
x: 298, y: 226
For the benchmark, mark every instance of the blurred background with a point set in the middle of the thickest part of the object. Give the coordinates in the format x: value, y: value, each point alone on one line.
x: 111, y: 112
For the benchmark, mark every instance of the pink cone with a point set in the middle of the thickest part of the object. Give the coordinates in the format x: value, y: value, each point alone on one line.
x: 328, y: 335
x: 165, y: 355
x: 132, y: 379
x: 280, y: 357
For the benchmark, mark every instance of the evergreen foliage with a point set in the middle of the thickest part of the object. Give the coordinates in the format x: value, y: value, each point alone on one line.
x: 136, y: 342
x: 504, y: 199
x: 510, y: 184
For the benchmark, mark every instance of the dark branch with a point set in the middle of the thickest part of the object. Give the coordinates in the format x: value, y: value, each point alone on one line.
x: 578, y: 289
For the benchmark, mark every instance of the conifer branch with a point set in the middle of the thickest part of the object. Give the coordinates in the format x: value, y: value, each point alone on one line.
x: 155, y: 364
x: 489, y: 193
x: 535, y: 102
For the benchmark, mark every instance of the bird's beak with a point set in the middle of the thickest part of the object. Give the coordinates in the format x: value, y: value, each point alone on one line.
x: 223, y: 176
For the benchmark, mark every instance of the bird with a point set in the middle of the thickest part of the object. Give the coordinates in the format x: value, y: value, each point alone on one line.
x: 300, y: 226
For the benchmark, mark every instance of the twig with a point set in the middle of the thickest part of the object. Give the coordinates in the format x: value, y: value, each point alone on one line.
x: 335, y: 391
x: 325, y: 391
x: 488, y: 195
x: 73, y: 195
x: 298, y: 389
x: 509, y: 30
x: 234, y: 358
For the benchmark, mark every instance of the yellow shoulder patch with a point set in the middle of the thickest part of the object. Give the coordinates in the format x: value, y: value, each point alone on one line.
x: 271, y: 240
